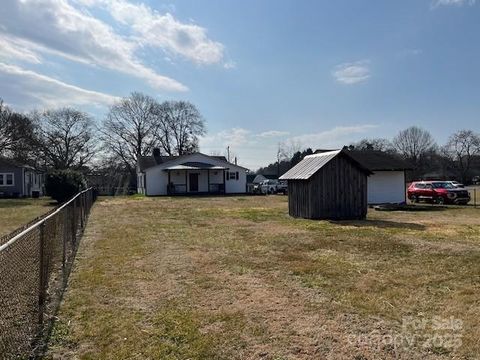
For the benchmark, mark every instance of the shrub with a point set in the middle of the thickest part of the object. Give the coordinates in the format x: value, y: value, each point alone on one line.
x: 61, y: 185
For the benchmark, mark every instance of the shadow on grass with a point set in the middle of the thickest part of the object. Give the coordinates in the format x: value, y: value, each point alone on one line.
x: 410, y: 207
x: 17, y: 203
x: 382, y: 224
x: 14, y: 203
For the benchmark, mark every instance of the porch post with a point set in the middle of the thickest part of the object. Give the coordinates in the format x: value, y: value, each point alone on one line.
x: 168, y: 184
x: 224, y: 187
x: 208, y: 176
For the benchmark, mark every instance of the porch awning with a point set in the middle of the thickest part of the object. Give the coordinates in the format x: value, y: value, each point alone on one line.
x: 195, y: 166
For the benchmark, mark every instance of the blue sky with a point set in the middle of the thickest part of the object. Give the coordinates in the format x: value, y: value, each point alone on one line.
x: 305, y: 73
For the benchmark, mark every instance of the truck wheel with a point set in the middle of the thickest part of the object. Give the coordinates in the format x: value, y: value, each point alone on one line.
x: 440, y: 200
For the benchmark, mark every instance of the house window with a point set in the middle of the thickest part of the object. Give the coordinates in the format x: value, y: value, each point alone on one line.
x: 232, y: 175
x: 6, y: 179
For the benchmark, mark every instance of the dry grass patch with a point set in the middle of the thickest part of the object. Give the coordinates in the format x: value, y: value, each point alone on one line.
x: 16, y: 212
x: 236, y: 278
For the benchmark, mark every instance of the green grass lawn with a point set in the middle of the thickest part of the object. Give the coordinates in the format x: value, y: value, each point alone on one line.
x: 237, y: 278
x: 16, y: 212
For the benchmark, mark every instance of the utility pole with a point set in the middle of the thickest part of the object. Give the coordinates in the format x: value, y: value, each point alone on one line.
x: 228, y: 153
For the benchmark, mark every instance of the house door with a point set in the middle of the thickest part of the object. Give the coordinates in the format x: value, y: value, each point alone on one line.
x: 193, y: 182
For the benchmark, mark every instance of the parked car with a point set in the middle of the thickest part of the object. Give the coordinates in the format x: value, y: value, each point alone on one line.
x: 273, y: 187
x: 282, y: 187
x: 456, y: 184
x: 440, y: 192
x: 476, y: 180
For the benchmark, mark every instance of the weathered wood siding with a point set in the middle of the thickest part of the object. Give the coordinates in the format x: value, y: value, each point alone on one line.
x: 337, y: 191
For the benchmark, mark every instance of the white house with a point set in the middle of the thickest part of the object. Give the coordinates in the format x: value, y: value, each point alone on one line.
x: 189, y: 174
x: 387, y: 184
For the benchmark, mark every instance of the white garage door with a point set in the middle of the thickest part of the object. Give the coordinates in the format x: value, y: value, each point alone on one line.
x: 386, y: 187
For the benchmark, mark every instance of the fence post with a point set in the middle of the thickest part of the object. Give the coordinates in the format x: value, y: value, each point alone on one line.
x: 65, y: 236
x: 82, y: 211
x: 74, y: 222
x: 42, y: 280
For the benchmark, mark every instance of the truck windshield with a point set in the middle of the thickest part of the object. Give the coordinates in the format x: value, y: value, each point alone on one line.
x: 443, y: 185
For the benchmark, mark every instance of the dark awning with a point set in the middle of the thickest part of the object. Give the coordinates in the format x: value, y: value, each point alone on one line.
x: 195, y: 166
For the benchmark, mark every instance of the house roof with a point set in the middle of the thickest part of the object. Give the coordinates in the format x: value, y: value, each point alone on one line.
x: 375, y: 160
x: 146, y: 162
x: 12, y: 163
x: 269, y: 177
x: 312, y: 163
x: 257, y: 178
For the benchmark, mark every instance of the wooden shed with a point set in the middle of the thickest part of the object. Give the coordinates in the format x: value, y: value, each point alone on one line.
x: 328, y: 185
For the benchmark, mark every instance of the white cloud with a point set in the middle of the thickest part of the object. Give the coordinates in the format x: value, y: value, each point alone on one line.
x: 411, y: 52
x: 14, y: 49
x: 273, y: 133
x: 27, y: 89
x: 233, y: 137
x: 164, y: 31
x: 352, y: 73
x: 230, y: 65
x: 55, y: 26
x: 255, y: 150
x: 336, y: 137
x: 437, y: 3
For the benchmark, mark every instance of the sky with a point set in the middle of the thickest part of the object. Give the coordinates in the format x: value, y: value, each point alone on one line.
x: 305, y: 73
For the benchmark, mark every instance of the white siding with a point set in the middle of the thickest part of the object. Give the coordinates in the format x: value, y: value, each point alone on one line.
x: 236, y: 186
x: 157, y: 180
x: 386, y: 187
x: 157, y: 177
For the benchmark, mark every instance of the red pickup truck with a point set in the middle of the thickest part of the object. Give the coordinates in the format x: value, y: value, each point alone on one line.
x: 440, y: 192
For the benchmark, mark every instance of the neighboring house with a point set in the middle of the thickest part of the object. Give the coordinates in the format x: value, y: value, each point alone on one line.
x: 253, y: 180
x: 260, y: 177
x: 328, y: 185
x: 387, y: 184
x: 189, y: 174
x: 18, y: 180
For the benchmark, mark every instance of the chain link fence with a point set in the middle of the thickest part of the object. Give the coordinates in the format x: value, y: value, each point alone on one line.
x: 35, y: 262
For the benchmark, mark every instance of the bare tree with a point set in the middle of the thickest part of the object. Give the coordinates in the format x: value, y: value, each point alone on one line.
x: 17, y: 132
x: 376, y: 144
x: 66, y: 138
x: 414, y: 144
x: 216, y: 153
x: 286, y: 149
x: 460, y: 149
x: 181, y: 125
x: 132, y: 128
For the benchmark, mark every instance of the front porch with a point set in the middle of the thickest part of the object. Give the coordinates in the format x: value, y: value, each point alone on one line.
x: 196, y: 178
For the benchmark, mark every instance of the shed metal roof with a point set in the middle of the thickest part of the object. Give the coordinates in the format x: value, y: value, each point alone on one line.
x: 312, y: 163
x: 309, y: 166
